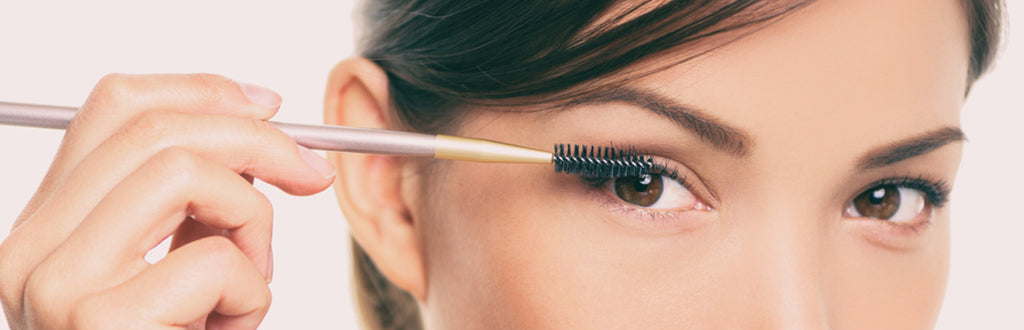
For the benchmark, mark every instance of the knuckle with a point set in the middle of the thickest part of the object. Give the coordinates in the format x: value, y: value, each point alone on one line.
x: 208, y: 89
x: 267, y: 298
x: 110, y: 92
x: 148, y: 127
x: 258, y: 210
x: 177, y: 159
x: 264, y: 208
x: 7, y: 254
x: 209, y: 79
x: 113, y: 80
x: 10, y: 292
x: 218, y: 249
x: 264, y: 131
x: 175, y: 168
x: 221, y: 253
x: 42, y: 292
x: 266, y: 134
x: 111, y: 89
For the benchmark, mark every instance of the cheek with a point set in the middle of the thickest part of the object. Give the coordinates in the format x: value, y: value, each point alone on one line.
x: 478, y: 235
x: 491, y: 250
x: 900, y: 290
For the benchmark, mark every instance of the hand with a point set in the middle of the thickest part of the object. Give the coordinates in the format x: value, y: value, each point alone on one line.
x: 147, y: 157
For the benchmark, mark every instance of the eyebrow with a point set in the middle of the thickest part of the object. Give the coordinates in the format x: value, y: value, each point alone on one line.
x: 709, y: 129
x: 908, y: 148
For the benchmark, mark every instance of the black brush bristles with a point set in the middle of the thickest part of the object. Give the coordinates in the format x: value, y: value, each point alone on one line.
x: 600, y: 161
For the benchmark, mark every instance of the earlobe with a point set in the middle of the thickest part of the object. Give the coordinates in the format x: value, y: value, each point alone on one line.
x: 369, y: 187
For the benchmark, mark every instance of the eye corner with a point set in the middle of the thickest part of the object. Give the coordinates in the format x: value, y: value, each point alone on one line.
x: 896, y: 208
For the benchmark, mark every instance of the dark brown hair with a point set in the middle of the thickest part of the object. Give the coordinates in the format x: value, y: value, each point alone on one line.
x: 441, y: 55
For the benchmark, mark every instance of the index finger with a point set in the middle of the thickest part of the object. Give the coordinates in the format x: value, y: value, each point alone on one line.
x: 118, y: 98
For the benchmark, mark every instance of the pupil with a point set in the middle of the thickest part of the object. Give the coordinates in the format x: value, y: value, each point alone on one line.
x: 877, y: 196
x: 642, y: 190
x: 642, y: 182
x: 879, y: 203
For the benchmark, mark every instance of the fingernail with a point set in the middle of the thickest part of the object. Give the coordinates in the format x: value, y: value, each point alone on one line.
x: 270, y: 265
x: 318, y: 163
x: 260, y: 95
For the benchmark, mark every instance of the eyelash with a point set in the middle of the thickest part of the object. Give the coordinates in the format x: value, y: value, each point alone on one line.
x: 661, y: 168
x: 646, y: 216
x: 935, y: 190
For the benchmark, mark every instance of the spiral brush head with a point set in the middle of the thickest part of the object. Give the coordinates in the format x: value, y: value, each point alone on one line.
x: 600, y: 161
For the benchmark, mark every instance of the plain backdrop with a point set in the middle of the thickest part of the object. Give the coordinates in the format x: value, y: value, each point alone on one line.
x: 53, y: 53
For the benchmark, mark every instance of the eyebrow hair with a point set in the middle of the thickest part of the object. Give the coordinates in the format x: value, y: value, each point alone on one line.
x: 908, y: 148
x: 709, y: 129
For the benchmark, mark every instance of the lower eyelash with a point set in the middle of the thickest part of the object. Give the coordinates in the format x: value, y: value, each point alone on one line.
x: 650, y: 216
x: 913, y: 228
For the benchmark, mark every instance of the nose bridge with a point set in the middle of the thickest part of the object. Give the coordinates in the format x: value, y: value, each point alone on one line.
x: 786, y: 252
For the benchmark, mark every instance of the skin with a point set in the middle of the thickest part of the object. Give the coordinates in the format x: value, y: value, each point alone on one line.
x: 519, y: 246
x: 135, y: 167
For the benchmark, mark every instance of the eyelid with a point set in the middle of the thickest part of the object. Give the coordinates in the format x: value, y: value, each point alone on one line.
x: 936, y: 190
x: 645, y: 221
x: 900, y: 235
x: 676, y: 171
x: 689, y: 178
x: 922, y: 206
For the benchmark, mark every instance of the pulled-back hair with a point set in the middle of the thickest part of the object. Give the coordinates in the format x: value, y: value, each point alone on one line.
x: 441, y: 55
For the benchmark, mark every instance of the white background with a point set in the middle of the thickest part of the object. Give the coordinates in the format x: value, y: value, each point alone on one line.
x: 53, y: 53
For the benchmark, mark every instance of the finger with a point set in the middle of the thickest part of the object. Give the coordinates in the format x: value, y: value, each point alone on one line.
x: 248, y: 146
x: 191, y: 230
x: 152, y: 203
x: 109, y: 247
x: 117, y: 98
x: 208, y: 275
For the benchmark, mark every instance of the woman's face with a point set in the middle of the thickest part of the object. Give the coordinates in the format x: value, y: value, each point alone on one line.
x: 828, y: 102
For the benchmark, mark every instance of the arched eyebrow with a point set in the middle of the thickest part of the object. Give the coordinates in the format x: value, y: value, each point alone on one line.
x: 910, y: 147
x: 709, y: 129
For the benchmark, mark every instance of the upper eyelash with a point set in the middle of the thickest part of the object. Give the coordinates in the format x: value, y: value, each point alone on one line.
x: 659, y: 167
x: 937, y: 191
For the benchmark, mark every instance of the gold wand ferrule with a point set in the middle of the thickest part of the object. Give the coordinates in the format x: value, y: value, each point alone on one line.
x: 479, y: 150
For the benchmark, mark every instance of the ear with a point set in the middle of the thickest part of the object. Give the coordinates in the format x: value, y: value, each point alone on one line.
x: 369, y: 187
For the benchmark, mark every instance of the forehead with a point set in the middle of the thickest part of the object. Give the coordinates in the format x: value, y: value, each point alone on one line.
x: 834, y: 68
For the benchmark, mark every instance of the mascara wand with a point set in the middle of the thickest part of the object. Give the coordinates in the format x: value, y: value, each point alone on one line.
x: 574, y: 159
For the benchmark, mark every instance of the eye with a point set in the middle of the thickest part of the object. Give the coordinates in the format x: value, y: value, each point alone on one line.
x: 888, y: 202
x: 653, y: 191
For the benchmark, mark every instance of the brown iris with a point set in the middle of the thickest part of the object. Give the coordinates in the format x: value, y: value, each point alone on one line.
x: 642, y: 190
x: 879, y: 202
